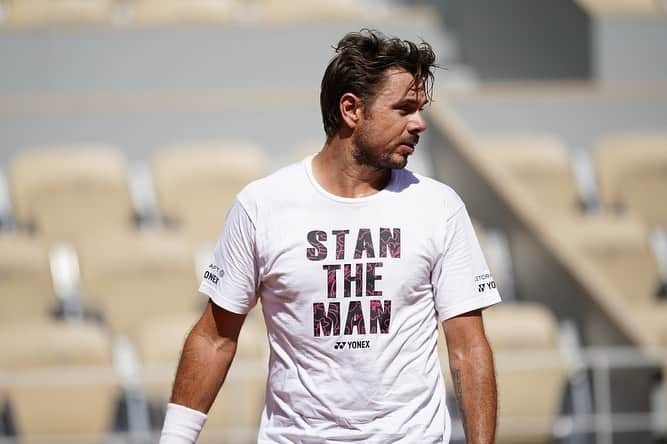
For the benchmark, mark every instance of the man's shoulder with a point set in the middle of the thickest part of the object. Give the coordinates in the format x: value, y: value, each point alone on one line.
x: 426, y: 189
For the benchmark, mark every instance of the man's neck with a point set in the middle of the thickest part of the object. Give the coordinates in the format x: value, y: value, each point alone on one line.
x: 338, y: 172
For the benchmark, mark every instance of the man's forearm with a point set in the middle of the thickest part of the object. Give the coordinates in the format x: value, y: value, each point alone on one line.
x: 201, y: 371
x: 474, y: 382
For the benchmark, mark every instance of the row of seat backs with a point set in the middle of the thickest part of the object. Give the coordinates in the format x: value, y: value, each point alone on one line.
x: 632, y: 173
x: 195, y: 184
x: 126, y: 277
x: 68, y: 192
x: 59, y: 380
x: 46, y: 363
x: 42, y: 12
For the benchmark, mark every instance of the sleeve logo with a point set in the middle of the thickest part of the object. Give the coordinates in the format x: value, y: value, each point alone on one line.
x: 481, y: 288
x: 482, y: 284
x: 213, y: 274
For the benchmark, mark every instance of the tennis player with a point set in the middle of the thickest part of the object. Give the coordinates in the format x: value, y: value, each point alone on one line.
x: 355, y: 260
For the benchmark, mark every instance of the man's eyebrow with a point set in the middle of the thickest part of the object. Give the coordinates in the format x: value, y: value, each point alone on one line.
x: 410, y: 101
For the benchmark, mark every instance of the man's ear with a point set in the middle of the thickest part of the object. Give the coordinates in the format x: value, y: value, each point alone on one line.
x: 351, y: 109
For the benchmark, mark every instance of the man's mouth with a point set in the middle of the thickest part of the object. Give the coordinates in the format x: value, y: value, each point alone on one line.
x: 408, y: 146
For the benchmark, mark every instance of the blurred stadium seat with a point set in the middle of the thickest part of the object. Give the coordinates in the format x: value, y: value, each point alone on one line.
x: 652, y: 318
x: 618, y: 244
x: 159, y: 342
x: 619, y: 249
x: 621, y: 7
x: 64, y: 389
x: 49, y: 12
x: 66, y: 192
x: 632, y: 172
x: 184, y: 11
x: 131, y: 277
x: 318, y: 10
x: 530, y: 393
x: 541, y: 164
x: 25, y: 279
x: 196, y: 183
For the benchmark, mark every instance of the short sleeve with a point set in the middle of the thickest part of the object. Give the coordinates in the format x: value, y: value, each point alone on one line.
x: 461, y: 279
x: 230, y: 280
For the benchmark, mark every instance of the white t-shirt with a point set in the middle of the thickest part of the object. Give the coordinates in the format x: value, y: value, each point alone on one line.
x: 352, y: 290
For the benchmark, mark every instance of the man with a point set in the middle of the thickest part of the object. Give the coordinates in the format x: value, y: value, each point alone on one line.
x: 355, y: 260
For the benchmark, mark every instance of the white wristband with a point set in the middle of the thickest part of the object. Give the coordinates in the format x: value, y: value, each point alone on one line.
x: 181, y: 425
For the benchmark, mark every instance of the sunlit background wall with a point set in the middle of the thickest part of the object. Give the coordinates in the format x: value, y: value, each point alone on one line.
x: 127, y: 126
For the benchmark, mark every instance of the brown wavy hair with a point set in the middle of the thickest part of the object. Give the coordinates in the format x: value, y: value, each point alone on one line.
x: 359, y: 66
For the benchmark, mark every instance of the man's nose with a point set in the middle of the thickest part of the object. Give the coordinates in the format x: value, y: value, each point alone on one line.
x: 417, y: 123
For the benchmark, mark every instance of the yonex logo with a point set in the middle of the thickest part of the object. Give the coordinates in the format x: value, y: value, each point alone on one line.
x: 211, y: 277
x: 214, y: 273
x: 352, y: 345
x: 482, y: 287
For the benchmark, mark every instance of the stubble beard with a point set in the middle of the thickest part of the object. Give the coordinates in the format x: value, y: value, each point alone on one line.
x: 364, y: 154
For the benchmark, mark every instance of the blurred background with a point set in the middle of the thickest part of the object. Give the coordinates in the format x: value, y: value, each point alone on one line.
x: 127, y: 126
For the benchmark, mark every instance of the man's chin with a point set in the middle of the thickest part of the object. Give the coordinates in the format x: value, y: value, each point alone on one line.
x: 398, y: 162
x: 394, y: 162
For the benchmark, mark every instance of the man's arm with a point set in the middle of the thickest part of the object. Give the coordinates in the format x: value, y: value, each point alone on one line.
x: 471, y: 364
x: 207, y: 355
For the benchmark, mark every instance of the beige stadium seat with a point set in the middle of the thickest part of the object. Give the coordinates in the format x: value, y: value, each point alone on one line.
x: 159, y: 342
x: 131, y: 277
x: 541, y: 164
x: 184, y: 11
x: 652, y: 318
x: 302, y: 10
x: 65, y: 192
x: 621, y: 7
x: 619, y: 248
x: 45, y: 12
x: 632, y: 173
x: 236, y: 412
x: 59, y: 381
x: 196, y: 183
x: 25, y: 279
x: 530, y: 370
